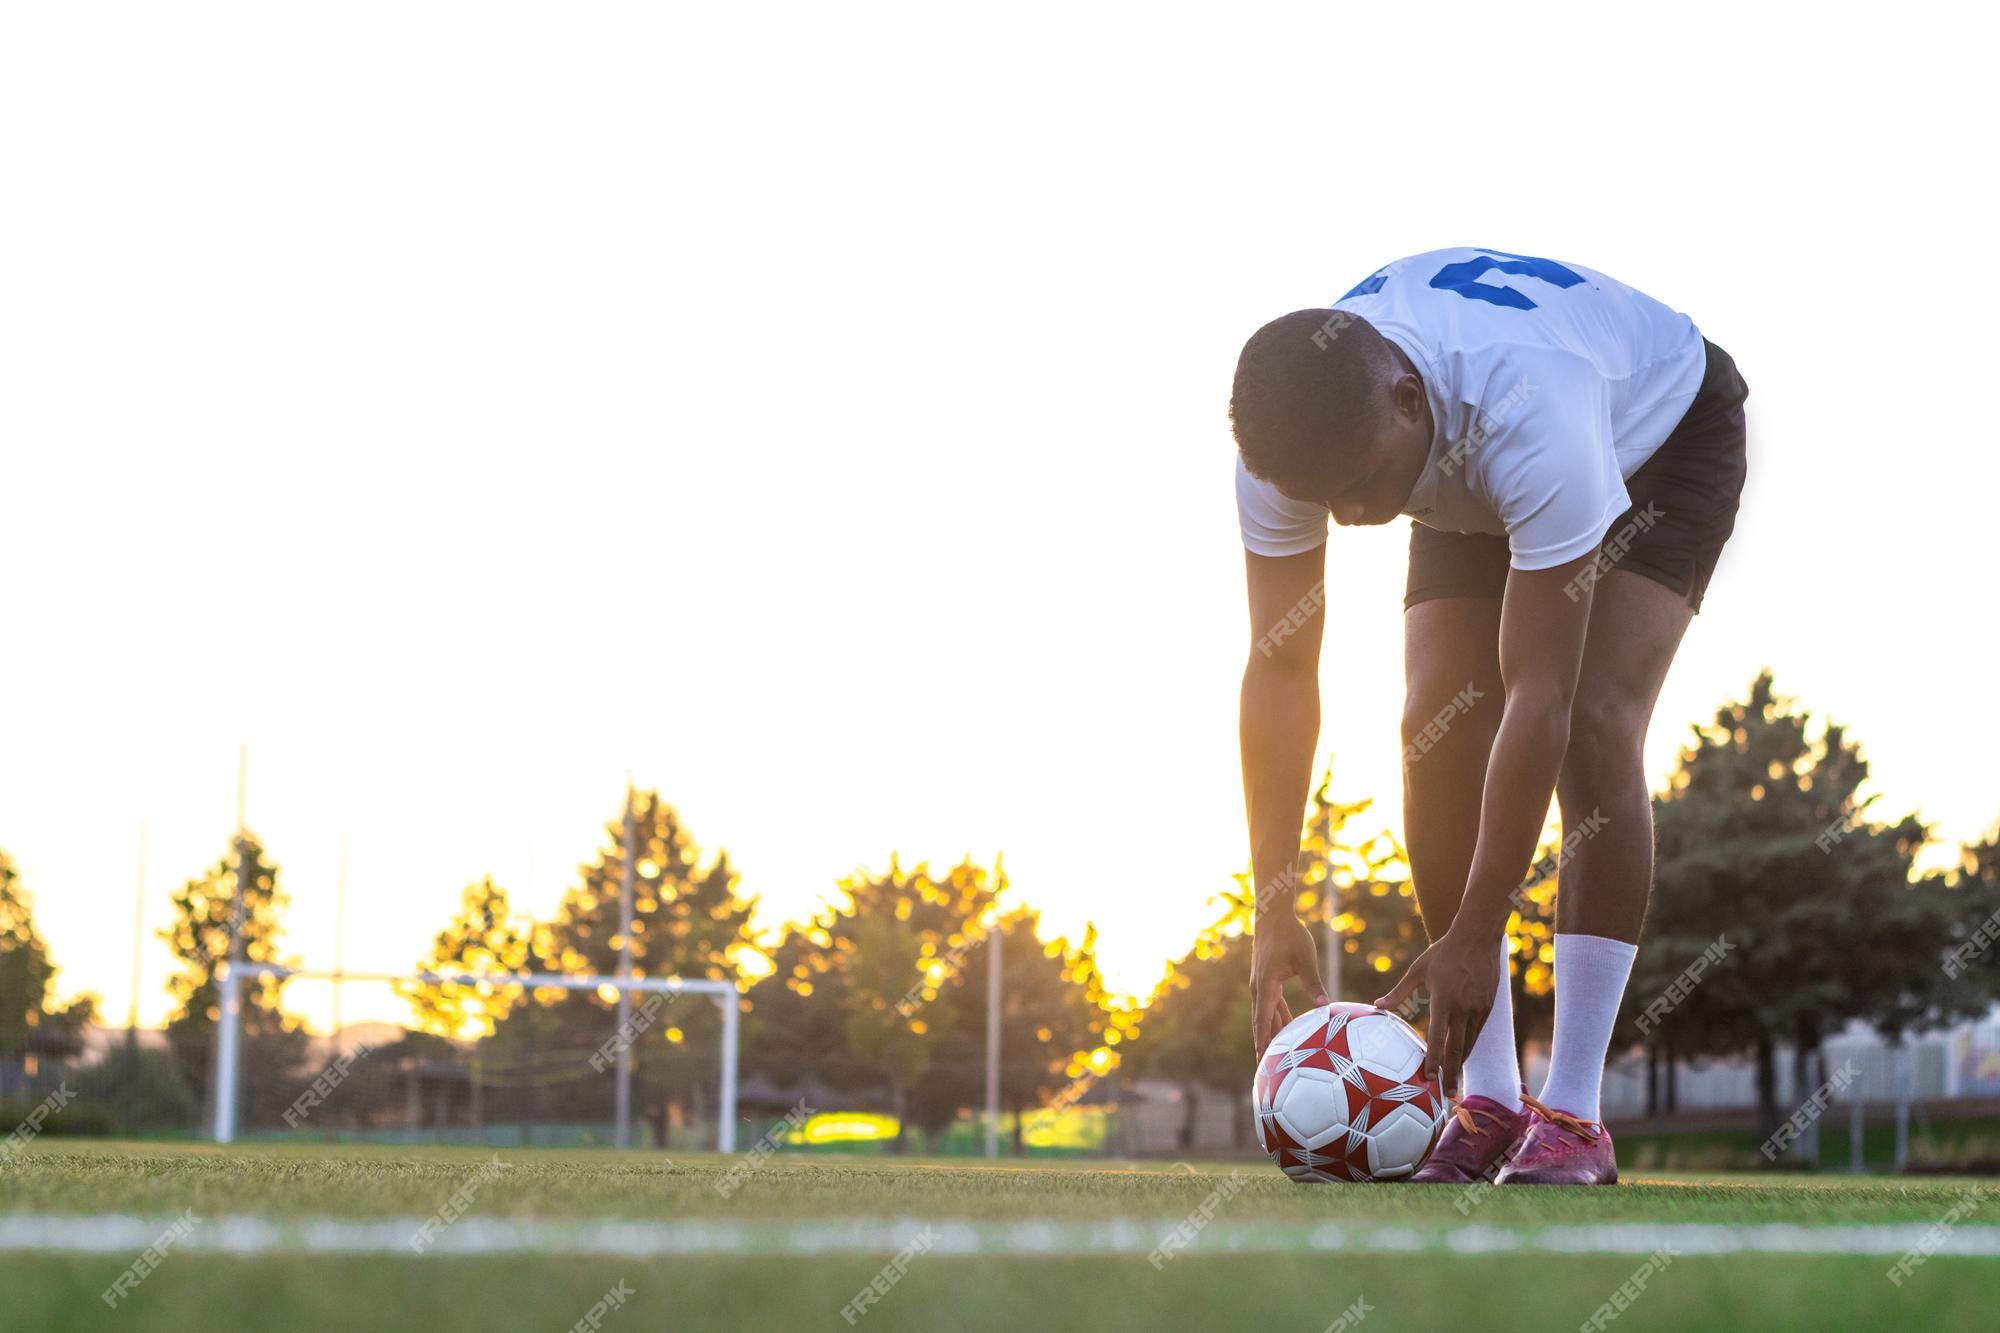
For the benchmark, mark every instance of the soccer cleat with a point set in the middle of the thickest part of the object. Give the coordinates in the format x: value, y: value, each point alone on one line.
x: 1480, y: 1137
x: 1562, y: 1150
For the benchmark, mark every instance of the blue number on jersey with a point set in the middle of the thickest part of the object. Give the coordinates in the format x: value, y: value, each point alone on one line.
x: 1463, y: 278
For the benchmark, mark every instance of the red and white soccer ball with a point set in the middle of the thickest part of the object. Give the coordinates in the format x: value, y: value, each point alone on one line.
x: 1339, y: 1096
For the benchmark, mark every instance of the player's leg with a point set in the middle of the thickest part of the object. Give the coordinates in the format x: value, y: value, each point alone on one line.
x: 1451, y: 710
x: 1452, y: 707
x: 1687, y: 494
x: 1636, y: 626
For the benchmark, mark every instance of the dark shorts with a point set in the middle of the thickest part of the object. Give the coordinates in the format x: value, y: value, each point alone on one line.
x: 1695, y: 479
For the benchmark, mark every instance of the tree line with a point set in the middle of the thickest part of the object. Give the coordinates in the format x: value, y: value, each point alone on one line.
x: 878, y: 1001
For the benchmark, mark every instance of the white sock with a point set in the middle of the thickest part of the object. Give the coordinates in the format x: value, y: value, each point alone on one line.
x: 1491, y: 1067
x: 1591, y: 972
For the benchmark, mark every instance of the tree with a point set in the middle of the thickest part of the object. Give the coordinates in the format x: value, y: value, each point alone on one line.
x: 1060, y: 1028
x: 879, y: 1032
x: 856, y: 1000
x: 794, y: 1035
x: 273, y: 1043
x: 1197, y: 1024
x: 483, y: 938
x: 687, y: 921
x: 1765, y: 845
x: 32, y: 1031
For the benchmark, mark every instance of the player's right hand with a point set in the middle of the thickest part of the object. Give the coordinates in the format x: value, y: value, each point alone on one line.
x: 1282, y: 948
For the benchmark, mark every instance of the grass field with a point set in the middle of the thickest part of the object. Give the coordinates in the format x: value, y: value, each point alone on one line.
x: 303, y: 1239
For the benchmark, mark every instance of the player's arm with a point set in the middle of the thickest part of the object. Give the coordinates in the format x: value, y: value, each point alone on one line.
x: 1543, y: 620
x: 1278, y: 724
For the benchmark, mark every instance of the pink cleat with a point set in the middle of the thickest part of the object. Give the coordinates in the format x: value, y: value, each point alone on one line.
x: 1562, y: 1150
x: 1480, y: 1137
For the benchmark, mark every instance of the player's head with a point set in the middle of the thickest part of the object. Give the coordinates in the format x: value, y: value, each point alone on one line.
x: 1326, y: 409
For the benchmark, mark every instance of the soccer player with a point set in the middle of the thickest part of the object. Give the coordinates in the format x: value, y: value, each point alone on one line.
x: 1571, y: 452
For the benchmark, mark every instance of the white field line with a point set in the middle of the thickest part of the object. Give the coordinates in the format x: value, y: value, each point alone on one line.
x: 127, y: 1233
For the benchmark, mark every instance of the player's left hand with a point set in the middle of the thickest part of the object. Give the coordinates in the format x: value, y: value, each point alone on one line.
x: 1461, y: 976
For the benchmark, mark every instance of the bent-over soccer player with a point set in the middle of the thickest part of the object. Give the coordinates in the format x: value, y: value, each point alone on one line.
x: 1571, y: 452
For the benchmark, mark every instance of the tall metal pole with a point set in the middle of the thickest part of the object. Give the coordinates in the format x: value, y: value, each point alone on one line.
x: 339, y: 940
x: 138, y: 943
x: 993, y: 937
x: 1332, y: 895
x: 1854, y: 1114
x: 225, y: 1086
x: 725, y: 1133
x: 228, y: 1031
x: 1905, y: 1084
x: 623, y: 1114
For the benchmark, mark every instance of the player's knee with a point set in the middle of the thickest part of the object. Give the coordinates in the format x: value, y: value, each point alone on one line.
x: 1433, y: 719
x: 1607, y: 735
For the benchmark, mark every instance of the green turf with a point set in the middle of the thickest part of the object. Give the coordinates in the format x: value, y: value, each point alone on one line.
x: 199, y: 1293
x: 300, y: 1292
x: 364, y: 1181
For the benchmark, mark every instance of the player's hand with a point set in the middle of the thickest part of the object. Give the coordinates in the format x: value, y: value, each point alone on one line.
x: 1462, y: 976
x: 1282, y: 948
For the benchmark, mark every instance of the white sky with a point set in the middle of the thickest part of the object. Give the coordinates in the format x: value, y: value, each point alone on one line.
x: 820, y: 413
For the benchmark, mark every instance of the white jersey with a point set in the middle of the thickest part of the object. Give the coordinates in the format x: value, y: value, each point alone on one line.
x: 1549, y: 384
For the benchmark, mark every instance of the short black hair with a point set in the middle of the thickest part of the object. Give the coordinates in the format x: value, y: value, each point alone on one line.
x: 1307, y: 391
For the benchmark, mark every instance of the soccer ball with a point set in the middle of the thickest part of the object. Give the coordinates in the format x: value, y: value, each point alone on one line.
x: 1338, y: 1096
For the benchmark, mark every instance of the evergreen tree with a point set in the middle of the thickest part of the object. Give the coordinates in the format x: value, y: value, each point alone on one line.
x: 687, y: 921
x: 34, y: 1034
x: 273, y: 1044
x: 483, y: 938
x: 1766, y: 843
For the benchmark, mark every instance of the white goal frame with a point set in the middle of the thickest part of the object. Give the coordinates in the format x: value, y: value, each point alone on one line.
x: 723, y: 993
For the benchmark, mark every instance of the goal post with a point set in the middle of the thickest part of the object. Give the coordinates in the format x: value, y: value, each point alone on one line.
x: 229, y: 1087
